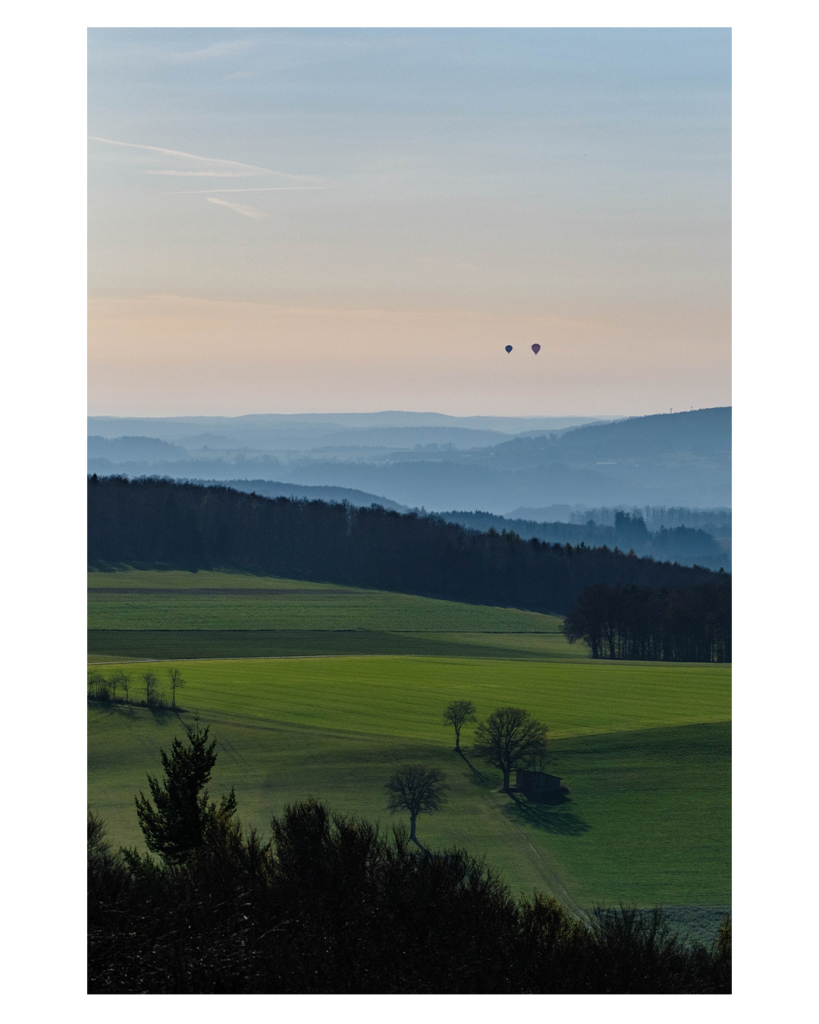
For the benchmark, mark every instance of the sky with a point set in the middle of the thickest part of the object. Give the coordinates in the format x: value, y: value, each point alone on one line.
x: 350, y: 220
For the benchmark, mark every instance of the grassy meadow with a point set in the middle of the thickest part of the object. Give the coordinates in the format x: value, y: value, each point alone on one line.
x: 144, y: 614
x: 644, y: 748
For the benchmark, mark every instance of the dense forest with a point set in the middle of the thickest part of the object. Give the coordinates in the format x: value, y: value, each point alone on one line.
x: 332, y: 905
x: 641, y: 624
x: 154, y: 521
x: 716, y: 521
x: 627, y: 530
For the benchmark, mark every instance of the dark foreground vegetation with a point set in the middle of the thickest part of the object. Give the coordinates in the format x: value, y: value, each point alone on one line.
x: 331, y: 905
x: 641, y: 624
x: 155, y: 522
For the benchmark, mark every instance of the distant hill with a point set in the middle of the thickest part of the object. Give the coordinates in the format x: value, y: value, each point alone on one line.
x: 410, y: 437
x: 704, y: 432
x: 275, y: 489
x: 126, y: 449
x: 672, y: 459
x: 669, y: 459
x: 271, y: 431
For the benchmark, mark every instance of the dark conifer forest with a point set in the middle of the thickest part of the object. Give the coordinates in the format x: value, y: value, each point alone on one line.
x: 159, y: 522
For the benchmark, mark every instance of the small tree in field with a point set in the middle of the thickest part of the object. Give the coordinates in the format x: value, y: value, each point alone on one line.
x: 151, y: 686
x: 416, y: 789
x: 457, y: 714
x: 97, y: 685
x: 176, y: 682
x: 121, y: 679
x: 177, y: 821
x: 511, y: 738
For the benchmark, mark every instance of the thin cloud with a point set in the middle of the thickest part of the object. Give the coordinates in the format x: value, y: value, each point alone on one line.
x: 216, y: 50
x: 271, y: 188
x: 206, y: 174
x: 240, y: 208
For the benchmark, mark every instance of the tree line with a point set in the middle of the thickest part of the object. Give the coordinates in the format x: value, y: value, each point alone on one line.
x: 153, y: 521
x: 688, y: 623
x: 330, y: 904
x: 628, y: 531
x: 118, y: 686
x: 716, y: 521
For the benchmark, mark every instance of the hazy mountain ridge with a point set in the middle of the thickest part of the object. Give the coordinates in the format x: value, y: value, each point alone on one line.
x: 663, y: 460
x: 700, y: 432
x: 269, y: 431
x: 133, y: 448
x: 276, y: 489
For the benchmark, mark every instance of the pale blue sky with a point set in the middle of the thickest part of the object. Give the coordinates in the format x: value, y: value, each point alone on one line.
x: 361, y: 219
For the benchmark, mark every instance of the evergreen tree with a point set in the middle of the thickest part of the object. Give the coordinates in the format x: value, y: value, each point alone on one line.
x: 178, y: 820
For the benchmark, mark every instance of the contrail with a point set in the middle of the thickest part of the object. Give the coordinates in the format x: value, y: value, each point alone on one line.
x: 189, y: 156
x: 248, y: 170
x: 245, y: 211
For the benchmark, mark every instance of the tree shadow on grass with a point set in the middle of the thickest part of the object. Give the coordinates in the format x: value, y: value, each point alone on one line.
x: 543, y: 814
x: 161, y: 713
x: 475, y: 775
x: 111, y: 707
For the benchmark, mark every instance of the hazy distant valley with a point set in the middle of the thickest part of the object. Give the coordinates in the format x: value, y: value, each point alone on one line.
x: 557, y: 479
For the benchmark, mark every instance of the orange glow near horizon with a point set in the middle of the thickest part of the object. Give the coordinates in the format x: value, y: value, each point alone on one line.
x: 169, y: 355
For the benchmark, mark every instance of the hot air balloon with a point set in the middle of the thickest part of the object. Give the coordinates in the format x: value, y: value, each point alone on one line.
x: 536, y: 348
x: 508, y: 348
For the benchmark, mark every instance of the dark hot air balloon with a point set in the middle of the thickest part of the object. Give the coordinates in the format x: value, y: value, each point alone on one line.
x: 536, y: 348
x: 508, y: 348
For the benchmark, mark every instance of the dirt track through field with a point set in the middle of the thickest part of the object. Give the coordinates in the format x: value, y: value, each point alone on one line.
x: 552, y: 880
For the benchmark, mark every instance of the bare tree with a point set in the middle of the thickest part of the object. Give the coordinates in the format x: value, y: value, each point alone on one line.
x: 151, y: 683
x: 511, y: 739
x: 97, y: 685
x: 120, y: 678
x: 457, y: 713
x: 176, y: 681
x: 416, y: 789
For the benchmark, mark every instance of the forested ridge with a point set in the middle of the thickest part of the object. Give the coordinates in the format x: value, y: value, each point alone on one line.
x: 159, y: 522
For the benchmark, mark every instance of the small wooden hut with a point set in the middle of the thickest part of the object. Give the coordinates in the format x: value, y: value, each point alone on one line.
x: 535, y: 784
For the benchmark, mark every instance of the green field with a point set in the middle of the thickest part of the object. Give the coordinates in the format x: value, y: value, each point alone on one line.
x: 143, y: 614
x: 644, y: 748
x: 138, y: 599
